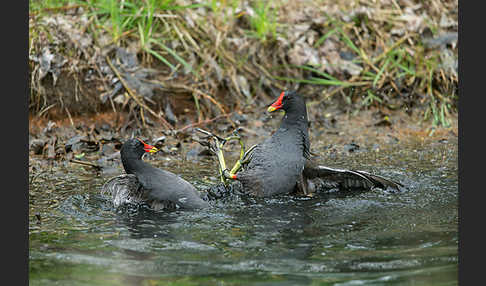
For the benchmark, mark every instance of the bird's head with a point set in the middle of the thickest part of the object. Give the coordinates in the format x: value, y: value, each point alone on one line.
x: 135, y: 148
x: 284, y: 101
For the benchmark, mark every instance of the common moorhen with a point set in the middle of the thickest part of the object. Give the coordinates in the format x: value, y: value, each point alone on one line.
x: 275, y: 165
x: 282, y: 163
x: 145, y: 183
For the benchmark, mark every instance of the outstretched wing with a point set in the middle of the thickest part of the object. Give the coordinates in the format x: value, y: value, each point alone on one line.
x: 319, y: 176
x: 123, y: 189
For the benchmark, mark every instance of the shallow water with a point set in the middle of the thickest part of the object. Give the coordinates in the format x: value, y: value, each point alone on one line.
x: 367, y: 238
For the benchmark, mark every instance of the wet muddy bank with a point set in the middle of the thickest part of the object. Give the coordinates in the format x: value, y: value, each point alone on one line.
x: 93, y: 143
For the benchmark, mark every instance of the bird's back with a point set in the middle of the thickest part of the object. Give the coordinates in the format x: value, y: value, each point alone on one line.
x: 163, y: 185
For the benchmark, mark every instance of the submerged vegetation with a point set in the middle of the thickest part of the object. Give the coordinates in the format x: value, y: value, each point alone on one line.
x: 216, y: 57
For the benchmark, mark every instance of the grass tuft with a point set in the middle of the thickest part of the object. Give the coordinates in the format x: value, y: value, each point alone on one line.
x: 230, y: 48
x: 263, y: 22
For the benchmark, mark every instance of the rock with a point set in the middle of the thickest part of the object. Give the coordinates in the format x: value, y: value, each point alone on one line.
x: 37, y: 146
x: 351, y: 147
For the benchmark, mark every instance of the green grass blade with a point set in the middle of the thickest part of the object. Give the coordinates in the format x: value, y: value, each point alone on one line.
x: 161, y: 58
x: 321, y: 81
x: 370, y: 98
x: 443, y: 118
x: 380, y: 72
x: 323, y: 38
x: 324, y: 74
x: 329, y: 82
x: 176, y: 56
x: 349, y: 43
x: 406, y: 70
x: 169, y: 7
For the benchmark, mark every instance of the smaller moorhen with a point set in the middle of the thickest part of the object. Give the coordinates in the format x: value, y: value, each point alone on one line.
x: 144, y: 183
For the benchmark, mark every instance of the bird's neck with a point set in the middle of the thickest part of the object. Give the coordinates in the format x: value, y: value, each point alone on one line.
x: 133, y: 165
x: 295, y: 122
x: 295, y: 118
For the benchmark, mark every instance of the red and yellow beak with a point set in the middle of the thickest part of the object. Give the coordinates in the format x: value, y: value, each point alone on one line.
x: 277, y: 104
x: 148, y: 148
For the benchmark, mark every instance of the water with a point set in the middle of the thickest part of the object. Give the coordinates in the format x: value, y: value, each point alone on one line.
x: 368, y: 238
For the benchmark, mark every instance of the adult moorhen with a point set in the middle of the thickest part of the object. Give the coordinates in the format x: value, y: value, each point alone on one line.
x: 275, y: 165
x: 282, y: 164
x: 144, y: 183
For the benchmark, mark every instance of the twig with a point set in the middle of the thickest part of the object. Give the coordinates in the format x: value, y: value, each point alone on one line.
x: 132, y: 94
x: 51, y: 9
x: 203, y: 122
x: 86, y: 164
x: 69, y: 115
x: 396, y: 44
x: 198, y: 92
x: 263, y: 70
x: 208, y: 133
